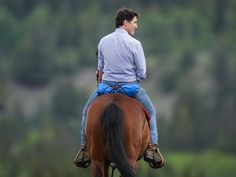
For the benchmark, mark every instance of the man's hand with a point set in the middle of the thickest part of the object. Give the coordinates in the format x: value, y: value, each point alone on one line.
x: 99, y: 76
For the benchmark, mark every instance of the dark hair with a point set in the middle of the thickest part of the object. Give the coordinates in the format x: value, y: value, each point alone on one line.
x: 124, y: 14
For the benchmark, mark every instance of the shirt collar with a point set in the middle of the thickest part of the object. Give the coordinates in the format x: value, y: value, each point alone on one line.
x: 121, y: 30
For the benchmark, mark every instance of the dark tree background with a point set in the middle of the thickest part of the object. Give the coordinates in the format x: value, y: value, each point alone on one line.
x: 47, y: 70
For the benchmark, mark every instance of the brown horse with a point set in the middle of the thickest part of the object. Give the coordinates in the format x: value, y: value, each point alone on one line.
x: 117, y: 131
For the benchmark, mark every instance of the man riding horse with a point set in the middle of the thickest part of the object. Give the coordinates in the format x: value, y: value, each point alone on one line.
x: 121, y: 66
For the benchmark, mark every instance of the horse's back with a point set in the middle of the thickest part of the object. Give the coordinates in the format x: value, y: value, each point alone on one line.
x: 136, y: 130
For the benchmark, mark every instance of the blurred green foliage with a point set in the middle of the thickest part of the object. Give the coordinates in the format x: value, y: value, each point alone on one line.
x: 190, y: 48
x: 67, y: 101
x: 207, y: 164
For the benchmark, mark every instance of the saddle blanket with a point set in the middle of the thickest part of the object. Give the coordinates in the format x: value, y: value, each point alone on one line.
x: 129, y: 89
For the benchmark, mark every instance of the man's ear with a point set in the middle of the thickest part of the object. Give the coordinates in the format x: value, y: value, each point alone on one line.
x: 125, y: 22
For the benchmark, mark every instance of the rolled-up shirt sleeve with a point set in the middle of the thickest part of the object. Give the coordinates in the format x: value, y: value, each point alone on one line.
x: 100, y: 58
x: 139, y: 61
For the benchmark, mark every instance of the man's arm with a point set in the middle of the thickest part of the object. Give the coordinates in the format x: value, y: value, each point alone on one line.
x: 100, y: 63
x: 140, y: 62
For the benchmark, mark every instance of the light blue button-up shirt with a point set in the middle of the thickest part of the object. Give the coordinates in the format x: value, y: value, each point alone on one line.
x: 121, y: 57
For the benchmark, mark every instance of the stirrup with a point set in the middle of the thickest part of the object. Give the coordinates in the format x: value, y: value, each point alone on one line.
x: 82, y: 159
x: 153, y: 156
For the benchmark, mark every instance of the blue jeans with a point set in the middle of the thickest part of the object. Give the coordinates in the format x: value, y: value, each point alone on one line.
x: 142, y: 97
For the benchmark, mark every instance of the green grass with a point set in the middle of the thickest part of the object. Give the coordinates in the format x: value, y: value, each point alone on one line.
x: 205, y: 164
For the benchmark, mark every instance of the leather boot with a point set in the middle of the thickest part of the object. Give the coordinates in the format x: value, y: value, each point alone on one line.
x: 153, y: 156
x: 82, y: 158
